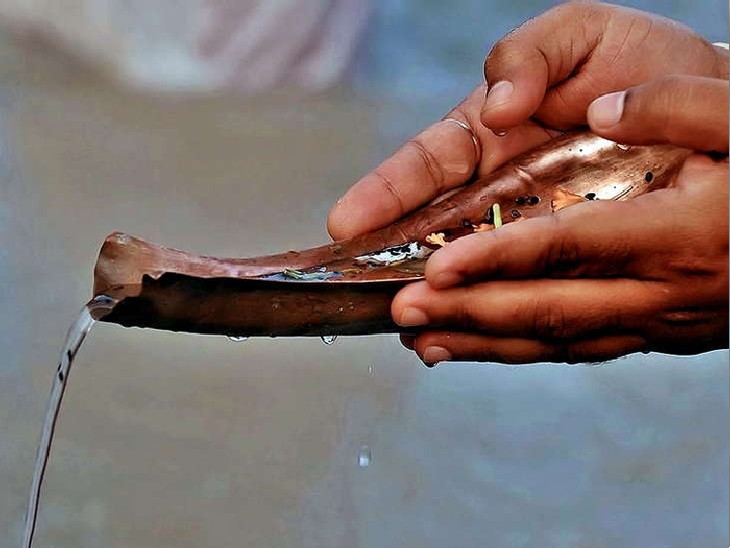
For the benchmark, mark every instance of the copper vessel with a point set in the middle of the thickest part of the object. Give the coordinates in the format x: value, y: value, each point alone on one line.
x: 346, y: 287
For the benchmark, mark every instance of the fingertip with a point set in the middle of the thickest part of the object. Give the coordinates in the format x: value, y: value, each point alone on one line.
x: 454, y: 264
x: 336, y: 222
x: 682, y: 110
x: 405, y: 309
x: 605, y: 112
x: 440, y: 272
x: 517, y: 87
x: 433, y: 355
x: 499, y: 95
x: 434, y: 347
x: 497, y: 107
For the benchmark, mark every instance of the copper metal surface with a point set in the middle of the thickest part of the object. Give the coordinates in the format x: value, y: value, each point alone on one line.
x: 168, y: 289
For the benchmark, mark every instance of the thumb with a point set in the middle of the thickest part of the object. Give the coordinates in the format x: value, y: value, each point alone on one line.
x: 522, y: 66
x: 687, y: 111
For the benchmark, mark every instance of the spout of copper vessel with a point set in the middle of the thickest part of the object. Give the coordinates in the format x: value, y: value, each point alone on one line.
x: 346, y: 287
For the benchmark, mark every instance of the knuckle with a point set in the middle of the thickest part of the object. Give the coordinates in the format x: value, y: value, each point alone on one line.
x: 694, y: 264
x: 391, y: 189
x: 686, y: 317
x: 504, y: 52
x: 563, y: 256
x: 574, y: 8
x: 468, y: 310
x: 550, y: 321
x: 435, y: 172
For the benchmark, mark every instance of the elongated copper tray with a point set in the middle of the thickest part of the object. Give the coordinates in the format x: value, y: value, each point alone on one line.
x: 346, y: 287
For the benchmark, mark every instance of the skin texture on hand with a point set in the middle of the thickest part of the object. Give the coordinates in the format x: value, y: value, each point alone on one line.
x: 557, y: 63
x: 599, y: 279
x: 593, y: 48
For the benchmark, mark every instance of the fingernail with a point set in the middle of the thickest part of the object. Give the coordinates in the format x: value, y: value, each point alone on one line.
x: 499, y: 93
x: 412, y: 317
x: 446, y: 279
x: 435, y: 354
x: 606, y: 111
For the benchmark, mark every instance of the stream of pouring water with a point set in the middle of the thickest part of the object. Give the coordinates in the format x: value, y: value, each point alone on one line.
x: 94, y: 310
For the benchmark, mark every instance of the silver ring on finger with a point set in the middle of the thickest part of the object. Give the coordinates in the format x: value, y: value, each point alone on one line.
x: 470, y: 131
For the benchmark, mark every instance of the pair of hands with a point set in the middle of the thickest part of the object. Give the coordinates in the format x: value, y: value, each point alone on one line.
x: 651, y: 273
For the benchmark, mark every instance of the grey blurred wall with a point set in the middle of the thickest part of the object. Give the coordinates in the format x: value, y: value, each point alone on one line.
x: 187, y: 441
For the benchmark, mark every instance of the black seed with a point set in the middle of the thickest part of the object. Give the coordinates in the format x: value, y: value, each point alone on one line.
x: 520, y: 201
x: 60, y: 376
x: 649, y: 177
x: 591, y: 196
x: 515, y: 213
x: 534, y: 200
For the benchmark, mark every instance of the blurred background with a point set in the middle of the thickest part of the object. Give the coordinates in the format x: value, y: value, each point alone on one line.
x: 228, y: 128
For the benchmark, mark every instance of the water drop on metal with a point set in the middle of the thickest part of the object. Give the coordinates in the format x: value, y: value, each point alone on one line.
x: 364, y: 457
x: 237, y: 339
x: 329, y: 339
x: 122, y: 239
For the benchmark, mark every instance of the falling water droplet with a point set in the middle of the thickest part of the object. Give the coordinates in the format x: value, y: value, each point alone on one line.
x: 500, y: 132
x: 329, y: 339
x: 623, y: 147
x: 371, y: 369
x: 364, y: 457
x: 237, y: 339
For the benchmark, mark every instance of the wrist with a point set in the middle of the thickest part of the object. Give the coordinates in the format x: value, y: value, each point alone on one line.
x: 721, y: 55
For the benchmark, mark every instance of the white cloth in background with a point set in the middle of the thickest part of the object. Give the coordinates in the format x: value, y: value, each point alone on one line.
x: 249, y: 45
x: 258, y: 44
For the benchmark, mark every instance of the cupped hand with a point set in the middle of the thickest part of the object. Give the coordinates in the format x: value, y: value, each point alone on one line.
x: 545, y: 73
x: 552, y: 67
x: 599, y: 279
x: 444, y: 156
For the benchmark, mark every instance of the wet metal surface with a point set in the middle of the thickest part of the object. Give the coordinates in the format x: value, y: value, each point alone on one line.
x: 170, y: 440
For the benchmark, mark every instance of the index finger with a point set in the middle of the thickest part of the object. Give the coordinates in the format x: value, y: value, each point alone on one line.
x: 438, y: 159
x: 581, y: 241
x: 441, y: 158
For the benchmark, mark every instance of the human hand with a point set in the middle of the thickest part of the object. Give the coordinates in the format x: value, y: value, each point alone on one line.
x: 557, y: 64
x: 552, y: 67
x: 599, y: 279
